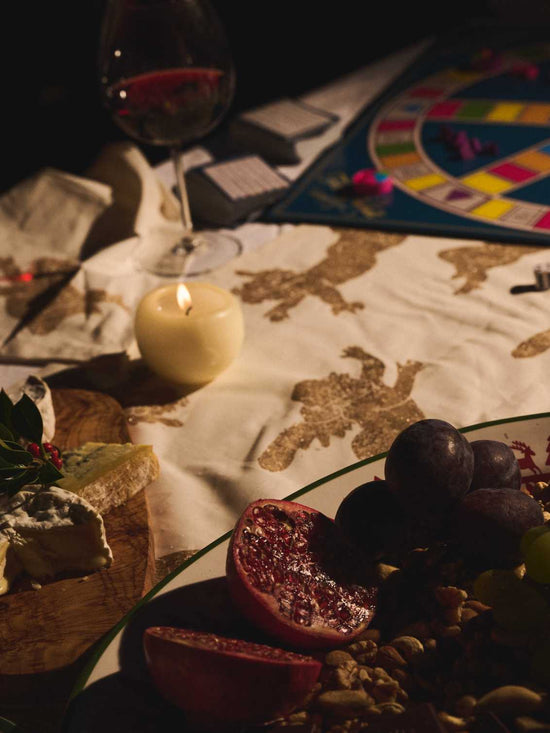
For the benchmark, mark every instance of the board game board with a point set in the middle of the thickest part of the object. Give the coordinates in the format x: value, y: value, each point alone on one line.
x: 495, y: 100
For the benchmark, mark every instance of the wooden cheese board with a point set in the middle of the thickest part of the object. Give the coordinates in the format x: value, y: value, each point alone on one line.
x: 45, y: 634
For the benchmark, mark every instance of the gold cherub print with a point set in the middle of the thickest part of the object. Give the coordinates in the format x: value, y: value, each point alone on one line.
x: 473, y: 263
x: 44, y: 299
x: 533, y: 345
x: 334, y: 405
x: 22, y: 288
x: 351, y: 256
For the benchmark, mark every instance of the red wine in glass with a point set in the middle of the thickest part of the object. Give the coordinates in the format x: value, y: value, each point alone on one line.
x: 167, y: 78
x: 157, y: 106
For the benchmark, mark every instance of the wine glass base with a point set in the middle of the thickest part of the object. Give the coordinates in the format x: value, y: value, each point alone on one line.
x: 162, y: 254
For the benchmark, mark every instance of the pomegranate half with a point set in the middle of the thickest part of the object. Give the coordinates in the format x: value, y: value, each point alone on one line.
x: 223, y: 683
x: 292, y: 575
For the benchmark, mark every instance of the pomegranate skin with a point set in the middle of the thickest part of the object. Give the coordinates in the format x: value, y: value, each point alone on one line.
x: 222, y: 684
x: 263, y: 609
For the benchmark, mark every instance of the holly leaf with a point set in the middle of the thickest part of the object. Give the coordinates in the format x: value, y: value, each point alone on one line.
x: 6, y: 407
x: 27, y: 420
x: 18, y: 467
x: 8, y: 471
x: 5, y: 433
x: 14, y: 454
x: 6, y: 726
x: 12, y: 484
x: 49, y: 474
x: 4, y: 463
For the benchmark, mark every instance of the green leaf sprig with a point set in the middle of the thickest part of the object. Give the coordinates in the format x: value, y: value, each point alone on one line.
x: 20, y: 424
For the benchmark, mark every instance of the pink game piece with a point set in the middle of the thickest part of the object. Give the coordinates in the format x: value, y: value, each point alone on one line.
x: 370, y: 182
x: 465, y: 151
x: 525, y: 71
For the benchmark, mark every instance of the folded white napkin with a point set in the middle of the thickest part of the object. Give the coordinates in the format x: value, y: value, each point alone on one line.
x: 141, y: 201
x: 55, y: 223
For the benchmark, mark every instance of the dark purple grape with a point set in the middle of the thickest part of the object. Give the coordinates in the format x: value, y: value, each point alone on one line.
x: 429, y: 468
x: 490, y: 524
x: 495, y: 466
x: 373, y: 520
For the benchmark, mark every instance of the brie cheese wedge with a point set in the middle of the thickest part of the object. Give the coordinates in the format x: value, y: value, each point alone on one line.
x: 53, y: 532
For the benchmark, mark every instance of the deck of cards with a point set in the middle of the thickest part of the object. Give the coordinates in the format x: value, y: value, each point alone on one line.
x: 274, y: 129
x: 229, y: 191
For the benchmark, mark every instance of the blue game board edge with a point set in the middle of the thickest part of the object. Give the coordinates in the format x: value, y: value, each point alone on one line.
x: 507, y: 236
x: 277, y: 213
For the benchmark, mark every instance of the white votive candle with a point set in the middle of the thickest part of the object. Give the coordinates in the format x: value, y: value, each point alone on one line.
x: 192, y: 341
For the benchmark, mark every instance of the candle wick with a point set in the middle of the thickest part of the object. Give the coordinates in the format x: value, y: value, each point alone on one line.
x: 188, y: 311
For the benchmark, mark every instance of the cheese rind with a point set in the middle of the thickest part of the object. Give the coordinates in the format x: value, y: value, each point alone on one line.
x: 54, y: 531
x: 108, y: 474
x: 9, y: 565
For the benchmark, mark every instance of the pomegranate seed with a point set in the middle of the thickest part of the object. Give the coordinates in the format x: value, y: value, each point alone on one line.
x: 265, y: 583
x: 303, y: 612
x: 297, y: 559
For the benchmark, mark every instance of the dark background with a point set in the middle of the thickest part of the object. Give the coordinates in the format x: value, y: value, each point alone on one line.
x: 52, y: 111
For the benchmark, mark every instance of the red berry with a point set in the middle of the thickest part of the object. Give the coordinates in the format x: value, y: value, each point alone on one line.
x: 47, y: 447
x: 34, y: 449
x: 57, y: 462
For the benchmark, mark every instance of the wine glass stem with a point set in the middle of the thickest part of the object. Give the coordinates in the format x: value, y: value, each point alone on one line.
x: 182, y: 188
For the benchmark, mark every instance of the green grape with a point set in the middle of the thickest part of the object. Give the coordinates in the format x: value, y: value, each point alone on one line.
x: 516, y: 605
x: 485, y: 586
x: 531, y: 535
x: 535, y: 548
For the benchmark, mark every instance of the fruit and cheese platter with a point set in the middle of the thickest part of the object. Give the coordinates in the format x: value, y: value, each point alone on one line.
x: 408, y: 592
x: 75, y: 542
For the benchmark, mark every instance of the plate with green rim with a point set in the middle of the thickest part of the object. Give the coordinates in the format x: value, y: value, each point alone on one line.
x: 113, y: 692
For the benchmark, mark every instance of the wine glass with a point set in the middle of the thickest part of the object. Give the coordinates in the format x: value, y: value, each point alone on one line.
x: 167, y: 77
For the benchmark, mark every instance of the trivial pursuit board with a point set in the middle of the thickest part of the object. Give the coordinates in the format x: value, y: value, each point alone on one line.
x: 465, y: 138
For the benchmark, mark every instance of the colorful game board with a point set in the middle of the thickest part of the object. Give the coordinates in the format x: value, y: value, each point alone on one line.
x: 465, y: 138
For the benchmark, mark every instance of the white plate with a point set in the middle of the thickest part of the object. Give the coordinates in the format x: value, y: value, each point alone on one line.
x: 113, y: 690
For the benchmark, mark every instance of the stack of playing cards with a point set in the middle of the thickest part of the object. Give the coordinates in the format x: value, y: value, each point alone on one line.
x: 226, y: 192
x: 273, y: 130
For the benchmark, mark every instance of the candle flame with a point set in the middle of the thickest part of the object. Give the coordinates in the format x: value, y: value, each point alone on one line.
x: 183, y: 296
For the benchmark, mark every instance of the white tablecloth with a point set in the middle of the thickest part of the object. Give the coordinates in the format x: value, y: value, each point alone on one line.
x: 350, y: 336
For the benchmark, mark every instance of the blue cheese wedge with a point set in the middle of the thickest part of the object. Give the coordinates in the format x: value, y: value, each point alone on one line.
x: 53, y: 532
x: 108, y: 474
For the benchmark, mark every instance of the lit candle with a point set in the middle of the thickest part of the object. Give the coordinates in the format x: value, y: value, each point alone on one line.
x: 188, y: 334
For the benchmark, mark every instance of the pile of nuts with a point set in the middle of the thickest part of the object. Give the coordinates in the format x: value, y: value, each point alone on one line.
x: 442, y: 648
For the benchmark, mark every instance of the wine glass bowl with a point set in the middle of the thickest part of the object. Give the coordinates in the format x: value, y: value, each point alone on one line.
x: 167, y: 78
x: 169, y: 107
